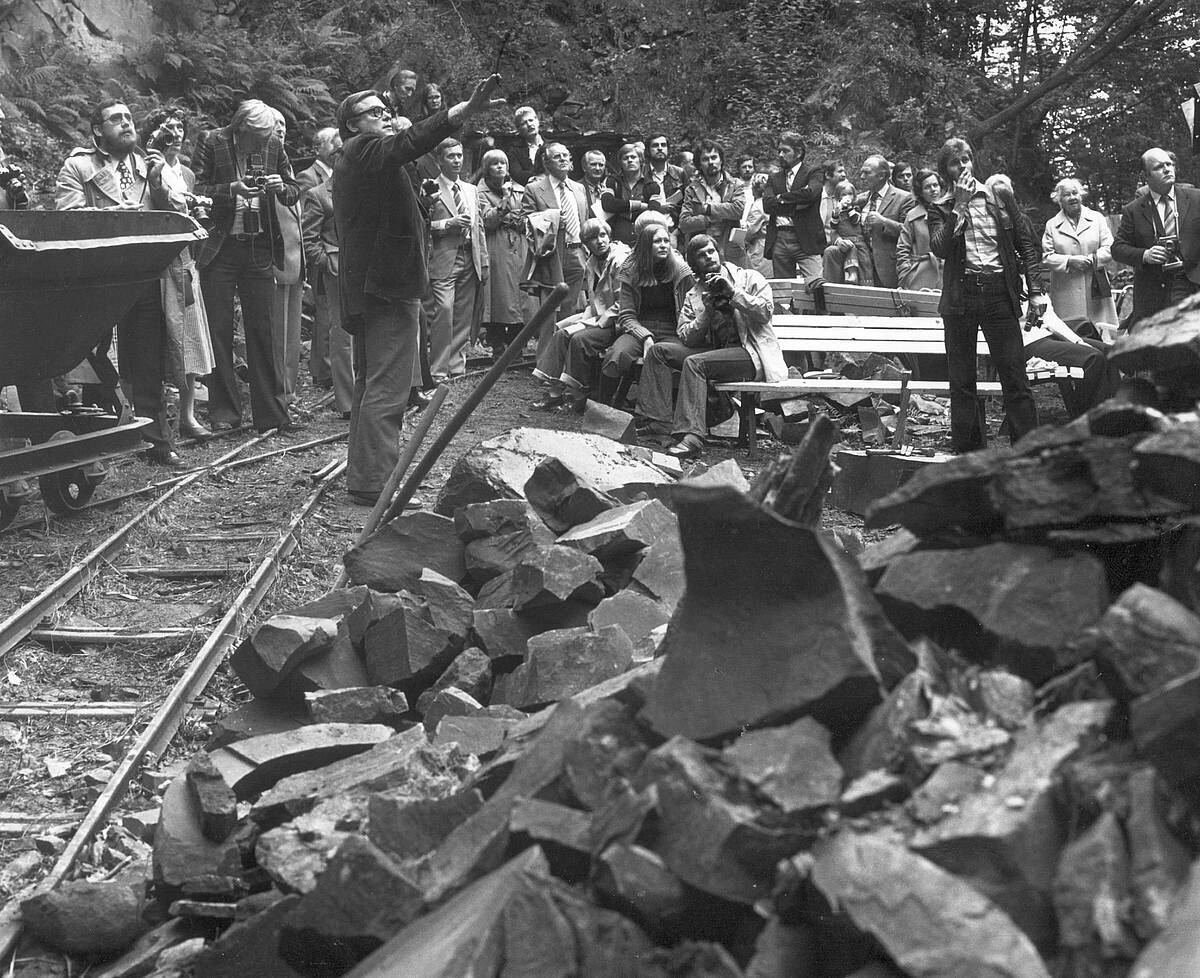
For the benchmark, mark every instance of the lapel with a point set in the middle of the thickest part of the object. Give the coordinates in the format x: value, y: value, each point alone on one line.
x: 448, y: 198
x: 1063, y: 226
x: 1183, y: 204
x: 1150, y: 209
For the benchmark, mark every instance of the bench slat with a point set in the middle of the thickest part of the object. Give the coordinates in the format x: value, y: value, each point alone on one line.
x: 812, y: 321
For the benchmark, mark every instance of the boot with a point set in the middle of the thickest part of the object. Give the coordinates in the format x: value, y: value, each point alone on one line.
x: 606, y: 389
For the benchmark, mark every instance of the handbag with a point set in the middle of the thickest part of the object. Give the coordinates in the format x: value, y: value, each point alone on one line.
x: 1101, y: 286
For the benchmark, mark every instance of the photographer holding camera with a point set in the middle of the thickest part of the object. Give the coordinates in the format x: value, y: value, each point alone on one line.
x: 115, y: 174
x: 14, y: 195
x: 242, y: 167
x: 726, y: 320
x: 1160, y: 237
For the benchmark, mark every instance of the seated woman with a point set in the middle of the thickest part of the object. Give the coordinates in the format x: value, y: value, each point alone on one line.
x: 575, y: 349
x: 917, y: 267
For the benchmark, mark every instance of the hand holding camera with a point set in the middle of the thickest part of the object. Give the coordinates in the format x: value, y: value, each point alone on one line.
x: 12, y: 182
x: 719, y: 291
x: 1166, y: 253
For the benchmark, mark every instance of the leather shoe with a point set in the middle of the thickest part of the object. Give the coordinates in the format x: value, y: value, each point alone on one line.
x: 223, y: 426
x: 579, y: 403
x: 419, y: 399
x: 689, y: 446
x: 167, y: 458
x: 550, y: 402
x: 292, y: 424
x: 197, y: 431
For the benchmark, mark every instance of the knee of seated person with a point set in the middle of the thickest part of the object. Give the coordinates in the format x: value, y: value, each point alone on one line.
x: 660, y: 352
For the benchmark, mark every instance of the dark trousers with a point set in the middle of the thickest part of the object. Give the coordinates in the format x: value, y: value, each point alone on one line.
x: 1100, y: 378
x: 385, y: 351
x: 585, y: 351
x: 574, y: 262
x: 244, y: 268
x: 790, y: 260
x: 988, y: 308
x: 698, y: 371
x: 141, y: 337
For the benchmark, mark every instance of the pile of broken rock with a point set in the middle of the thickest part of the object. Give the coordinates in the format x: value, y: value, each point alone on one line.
x: 587, y: 720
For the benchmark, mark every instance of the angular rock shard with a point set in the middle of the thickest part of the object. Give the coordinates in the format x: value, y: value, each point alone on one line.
x: 930, y: 923
x: 791, y: 765
x: 278, y: 646
x: 637, y: 615
x: 550, y: 576
x: 1001, y: 602
x: 1176, y: 951
x: 1091, y: 892
x: 621, y: 531
x: 394, y: 556
x: 938, y: 497
x: 499, y: 467
x: 409, y: 827
x: 404, y: 646
x: 214, y: 799
x: 775, y: 623
x: 567, y: 661
x: 357, y: 704
x: 562, y: 498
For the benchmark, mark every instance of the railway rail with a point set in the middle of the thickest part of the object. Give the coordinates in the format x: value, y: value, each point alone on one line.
x: 27, y: 623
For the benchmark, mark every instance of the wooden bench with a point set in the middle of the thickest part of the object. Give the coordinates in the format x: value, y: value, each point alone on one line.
x: 901, y: 332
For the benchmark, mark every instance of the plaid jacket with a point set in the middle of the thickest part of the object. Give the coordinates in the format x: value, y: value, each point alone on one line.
x: 216, y: 168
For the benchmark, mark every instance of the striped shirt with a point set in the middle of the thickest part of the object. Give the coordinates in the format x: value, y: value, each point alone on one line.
x: 981, y: 232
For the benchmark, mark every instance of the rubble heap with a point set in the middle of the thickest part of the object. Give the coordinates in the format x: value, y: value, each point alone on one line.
x: 599, y: 723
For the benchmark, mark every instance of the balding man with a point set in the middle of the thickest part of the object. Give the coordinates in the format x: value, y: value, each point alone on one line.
x: 884, y: 208
x: 1160, y: 237
x: 563, y: 202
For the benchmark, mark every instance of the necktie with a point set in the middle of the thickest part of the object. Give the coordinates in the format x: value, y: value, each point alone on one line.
x: 873, y: 203
x: 125, y: 175
x: 458, y: 203
x: 570, y: 214
x: 1170, y: 224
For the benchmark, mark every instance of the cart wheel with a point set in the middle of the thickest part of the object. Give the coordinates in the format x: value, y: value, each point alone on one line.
x: 67, y: 490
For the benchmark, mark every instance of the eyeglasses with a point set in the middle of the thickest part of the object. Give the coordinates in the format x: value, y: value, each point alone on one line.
x: 375, y: 112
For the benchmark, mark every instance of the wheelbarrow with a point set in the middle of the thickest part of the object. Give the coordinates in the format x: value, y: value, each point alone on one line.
x: 66, y: 278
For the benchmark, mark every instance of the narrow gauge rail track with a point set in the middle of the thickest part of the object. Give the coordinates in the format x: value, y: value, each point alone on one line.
x: 268, y: 551
x: 157, y: 734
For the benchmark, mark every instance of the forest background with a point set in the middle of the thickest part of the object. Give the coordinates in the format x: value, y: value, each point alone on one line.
x: 1043, y: 88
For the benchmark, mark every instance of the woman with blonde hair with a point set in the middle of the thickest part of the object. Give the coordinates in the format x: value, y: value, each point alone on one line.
x: 505, y: 305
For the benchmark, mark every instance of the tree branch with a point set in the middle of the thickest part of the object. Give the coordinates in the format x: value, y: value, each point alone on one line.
x: 1075, y: 66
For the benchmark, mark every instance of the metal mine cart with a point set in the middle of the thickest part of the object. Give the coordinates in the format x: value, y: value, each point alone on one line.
x: 66, y: 277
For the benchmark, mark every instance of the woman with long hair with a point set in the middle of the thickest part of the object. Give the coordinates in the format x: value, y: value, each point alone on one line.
x: 917, y: 266
x: 651, y: 285
x: 189, y: 352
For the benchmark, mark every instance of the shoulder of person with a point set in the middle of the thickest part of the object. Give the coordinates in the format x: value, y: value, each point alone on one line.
x: 84, y: 161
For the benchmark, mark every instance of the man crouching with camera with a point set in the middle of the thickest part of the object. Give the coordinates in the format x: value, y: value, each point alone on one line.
x: 115, y: 174
x: 726, y: 318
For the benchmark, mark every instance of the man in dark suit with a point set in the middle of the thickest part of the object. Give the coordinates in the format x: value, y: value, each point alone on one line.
x: 883, y: 211
x: 554, y: 191
x: 524, y: 163
x: 1160, y: 237
x: 243, y: 243
x: 321, y: 254
x: 326, y: 144
x: 795, y: 236
x: 381, y: 234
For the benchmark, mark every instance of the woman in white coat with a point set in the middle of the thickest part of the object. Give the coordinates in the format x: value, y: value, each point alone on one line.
x: 1076, y: 251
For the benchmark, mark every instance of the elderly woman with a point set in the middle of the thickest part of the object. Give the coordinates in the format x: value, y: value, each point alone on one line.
x: 1076, y: 250
x: 918, y: 267
x: 505, y: 306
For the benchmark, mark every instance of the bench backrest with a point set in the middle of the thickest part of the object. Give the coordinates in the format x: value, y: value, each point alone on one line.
x: 862, y: 334
x: 867, y: 300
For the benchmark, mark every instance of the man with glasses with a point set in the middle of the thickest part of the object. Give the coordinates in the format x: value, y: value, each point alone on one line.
x: 381, y: 234
x: 114, y: 174
x: 564, y: 203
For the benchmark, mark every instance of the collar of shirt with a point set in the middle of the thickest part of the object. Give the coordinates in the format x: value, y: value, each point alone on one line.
x: 1170, y: 195
x: 323, y: 170
x: 791, y: 174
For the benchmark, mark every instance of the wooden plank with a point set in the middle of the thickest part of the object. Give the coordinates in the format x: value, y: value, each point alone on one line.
x: 813, y: 321
x: 107, y: 636
x: 886, y: 302
x: 28, y: 709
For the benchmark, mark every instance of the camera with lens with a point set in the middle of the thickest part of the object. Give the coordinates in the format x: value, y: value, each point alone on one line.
x: 720, y: 292
x: 429, y: 188
x: 256, y: 172
x: 12, y: 182
x: 1171, y: 243
x: 160, y: 139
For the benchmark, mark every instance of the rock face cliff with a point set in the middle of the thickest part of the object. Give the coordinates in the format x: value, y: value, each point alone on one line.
x: 101, y: 28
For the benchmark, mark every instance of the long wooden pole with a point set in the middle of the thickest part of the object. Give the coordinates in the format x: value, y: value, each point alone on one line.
x: 472, y: 402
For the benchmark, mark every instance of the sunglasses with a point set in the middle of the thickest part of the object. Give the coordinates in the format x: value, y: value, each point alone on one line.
x: 375, y: 112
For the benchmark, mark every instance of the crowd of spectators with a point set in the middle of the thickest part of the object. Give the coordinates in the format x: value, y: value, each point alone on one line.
x: 416, y: 255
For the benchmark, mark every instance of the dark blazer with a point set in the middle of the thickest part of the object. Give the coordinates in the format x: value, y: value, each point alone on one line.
x: 800, y: 202
x: 216, y: 168
x: 380, y: 227
x: 1020, y: 255
x: 894, y: 205
x: 616, y: 201
x: 1140, y: 227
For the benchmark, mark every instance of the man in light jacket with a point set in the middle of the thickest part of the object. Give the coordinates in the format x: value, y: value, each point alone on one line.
x: 726, y: 318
